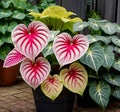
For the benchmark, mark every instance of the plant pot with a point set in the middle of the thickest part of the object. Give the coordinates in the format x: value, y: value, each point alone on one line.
x: 8, y: 76
x: 63, y: 103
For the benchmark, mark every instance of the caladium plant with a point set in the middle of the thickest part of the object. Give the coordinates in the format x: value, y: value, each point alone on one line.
x: 35, y: 68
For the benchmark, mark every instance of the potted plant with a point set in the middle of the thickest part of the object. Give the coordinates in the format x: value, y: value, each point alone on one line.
x: 102, y: 59
x: 49, y: 59
x: 12, y: 12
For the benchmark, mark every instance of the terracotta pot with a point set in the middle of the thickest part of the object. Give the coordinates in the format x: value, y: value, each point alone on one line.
x: 8, y: 76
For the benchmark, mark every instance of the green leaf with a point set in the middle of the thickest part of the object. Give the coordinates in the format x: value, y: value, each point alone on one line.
x: 18, y: 15
x: 108, y: 57
x: 112, y: 78
x: 116, y: 40
x: 21, y: 4
x: 11, y: 26
x: 94, y: 57
x: 107, y: 27
x: 7, y: 39
x: 53, y: 34
x: 104, y: 39
x: 79, y: 26
x: 48, y: 50
x: 116, y: 64
x: 3, y: 28
x: 52, y: 86
x: 5, y: 13
x: 94, y: 24
x: 1, y: 42
x: 4, y: 50
x: 116, y: 92
x: 117, y: 27
x: 75, y: 78
x: 32, y: 8
x: 100, y: 93
x: 117, y: 49
x: 6, y: 3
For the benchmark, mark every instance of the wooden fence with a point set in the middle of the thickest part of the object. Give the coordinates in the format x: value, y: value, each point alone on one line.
x: 109, y: 9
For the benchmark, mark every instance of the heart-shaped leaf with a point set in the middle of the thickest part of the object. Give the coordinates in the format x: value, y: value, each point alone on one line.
x: 94, y: 57
x: 52, y: 86
x: 116, y: 92
x: 116, y: 64
x: 34, y: 73
x: 79, y: 26
x: 30, y: 41
x: 100, y: 93
x: 116, y: 40
x: 112, y: 78
x: 68, y: 49
x: 75, y: 78
x: 14, y: 57
x: 108, y: 57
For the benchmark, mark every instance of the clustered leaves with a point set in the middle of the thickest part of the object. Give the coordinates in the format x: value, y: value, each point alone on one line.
x: 29, y: 42
x: 102, y: 58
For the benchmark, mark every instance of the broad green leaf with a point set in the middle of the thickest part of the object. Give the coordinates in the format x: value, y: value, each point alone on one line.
x: 112, y: 78
x: 48, y: 50
x: 116, y: 92
x: 93, y: 24
x: 104, y: 39
x: 96, y: 38
x: 117, y: 27
x: 32, y: 8
x: 52, y: 86
x: 4, y: 50
x: 116, y: 40
x: 100, y: 93
x: 5, y: 13
x: 91, y: 39
x: 94, y: 57
x: 108, y: 57
x: 53, y: 34
x: 11, y: 26
x: 7, y: 39
x: 6, y: 3
x: 18, y: 15
x: 21, y: 4
x: 79, y: 26
x: 3, y: 28
x: 117, y: 49
x: 116, y: 64
x: 75, y: 78
x: 107, y: 27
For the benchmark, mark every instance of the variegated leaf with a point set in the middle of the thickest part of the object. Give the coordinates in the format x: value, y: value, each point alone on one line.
x: 52, y: 86
x: 100, y: 92
x: 14, y: 57
x: 68, y: 49
x: 34, y: 73
x: 75, y: 78
x: 94, y: 57
x: 32, y: 40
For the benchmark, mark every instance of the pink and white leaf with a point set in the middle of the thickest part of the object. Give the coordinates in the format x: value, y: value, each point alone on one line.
x: 75, y: 78
x: 32, y: 40
x: 13, y: 58
x: 68, y: 49
x: 52, y: 86
x: 34, y: 73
